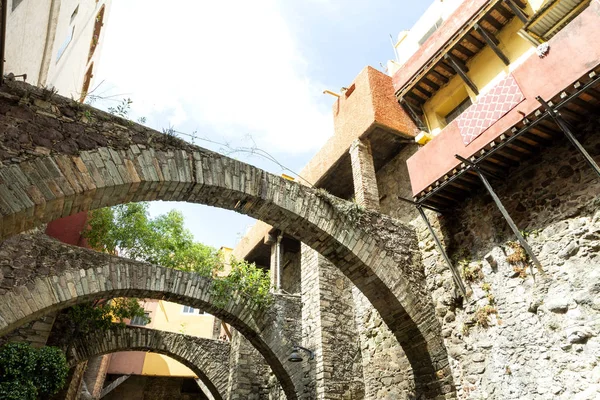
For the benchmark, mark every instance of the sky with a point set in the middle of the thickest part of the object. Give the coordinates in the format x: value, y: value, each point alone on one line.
x: 243, y: 74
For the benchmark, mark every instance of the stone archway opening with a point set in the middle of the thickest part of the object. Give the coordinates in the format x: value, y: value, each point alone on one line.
x: 208, y: 359
x: 60, y: 158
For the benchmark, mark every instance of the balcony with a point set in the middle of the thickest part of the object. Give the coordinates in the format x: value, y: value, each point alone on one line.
x: 566, y: 77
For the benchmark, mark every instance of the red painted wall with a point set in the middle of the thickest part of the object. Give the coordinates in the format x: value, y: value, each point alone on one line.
x: 69, y: 229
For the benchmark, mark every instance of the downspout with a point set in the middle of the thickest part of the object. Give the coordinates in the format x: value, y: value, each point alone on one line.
x: 2, y: 38
x: 278, y: 258
x: 50, y: 36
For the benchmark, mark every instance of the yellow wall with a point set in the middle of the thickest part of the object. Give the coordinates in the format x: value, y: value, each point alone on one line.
x: 167, y: 316
x: 485, y: 70
x: 157, y: 364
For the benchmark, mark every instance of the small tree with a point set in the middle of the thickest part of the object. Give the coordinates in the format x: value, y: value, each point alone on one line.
x: 128, y: 230
x: 29, y: 374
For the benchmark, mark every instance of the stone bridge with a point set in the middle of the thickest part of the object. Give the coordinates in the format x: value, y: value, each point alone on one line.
x: 208, y: 359
x: 60, y: 157
x: 41, y: 275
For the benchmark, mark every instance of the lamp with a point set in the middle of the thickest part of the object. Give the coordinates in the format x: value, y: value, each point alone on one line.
x: 296, y: 357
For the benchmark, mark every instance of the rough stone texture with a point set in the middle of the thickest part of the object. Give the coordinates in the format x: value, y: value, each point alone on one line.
x: 95, y: 374
x: 291, y: 277
x: 248, y: 372
x: 71, y: 390
x: 154, y: 388
x: 363, y: 175
x: 36, y: 333
x: 52, y: 276
x: 329, y: 330
x: 543, y: 342
x: 208, y: 358
x: 60, y: 158
x: 386, y: 370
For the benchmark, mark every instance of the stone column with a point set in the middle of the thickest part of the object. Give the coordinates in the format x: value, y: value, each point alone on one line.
x: 275, y: 242
x: 248, y: 371
x: 329, y: 330
x: 363, y: 175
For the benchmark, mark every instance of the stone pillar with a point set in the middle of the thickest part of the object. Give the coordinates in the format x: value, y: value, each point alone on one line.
x: 95, y: 374
x: 248, y: 371
x: 329, y: 330
x: 275, y: 242
x: 363, y: 175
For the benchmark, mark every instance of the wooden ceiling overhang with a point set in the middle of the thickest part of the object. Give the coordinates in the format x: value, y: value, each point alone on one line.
x: 534, y: 132
x: 452, y: 58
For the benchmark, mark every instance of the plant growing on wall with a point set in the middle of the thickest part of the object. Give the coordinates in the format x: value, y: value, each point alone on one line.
x: 102, y: 315
x: 27, y: 373
x: 245, y: 280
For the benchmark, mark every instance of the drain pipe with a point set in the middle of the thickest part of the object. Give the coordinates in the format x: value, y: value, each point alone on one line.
x: 2, y: 39
x: 278, y: 262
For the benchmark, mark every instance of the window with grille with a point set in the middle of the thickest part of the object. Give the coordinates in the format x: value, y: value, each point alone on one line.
x: 140, y: 321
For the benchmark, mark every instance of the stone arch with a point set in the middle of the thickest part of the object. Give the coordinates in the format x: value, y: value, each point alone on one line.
x: 40, y: 275
x: 60, y: 158
x: 208, y: 359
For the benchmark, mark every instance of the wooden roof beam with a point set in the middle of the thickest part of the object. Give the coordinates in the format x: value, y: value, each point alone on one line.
x: 461, y: 69
x: 517, y: 9
x: 493, y: 42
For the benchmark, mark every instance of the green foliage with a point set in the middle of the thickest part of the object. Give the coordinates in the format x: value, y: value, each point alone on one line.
x: 246, y: 280
x: 28, y: 374
x: 122, y: 109
x: 83, y: 319
x: 471, y: 271
x: 128, y: 230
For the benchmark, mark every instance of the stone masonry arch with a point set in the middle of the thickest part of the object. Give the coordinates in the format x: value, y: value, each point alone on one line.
x: 60, y: 158
x: 40, y: 275
x: 207, y: 358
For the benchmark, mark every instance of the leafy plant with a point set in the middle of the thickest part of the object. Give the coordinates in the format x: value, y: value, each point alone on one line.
x: 245, y: 280
x: 102, y: 315
x: 128, y: 230
x: 471, y: 271
x: 122, y: 109
x: 28, y: 374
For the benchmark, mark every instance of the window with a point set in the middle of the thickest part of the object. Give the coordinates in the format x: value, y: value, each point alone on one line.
x: 15, y: 4
x: 65, y: 44
x: 191, y: 310
x: 434, y: 28
x: 140, y: 321
x: 458, y: 110
x: 74, y: 13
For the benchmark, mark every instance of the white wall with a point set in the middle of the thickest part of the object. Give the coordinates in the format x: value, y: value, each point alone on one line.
x: 408, y: 41
x: 34, y: 22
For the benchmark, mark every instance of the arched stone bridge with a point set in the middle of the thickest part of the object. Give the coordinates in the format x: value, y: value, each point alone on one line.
x: 41, y: 275
x: 208, y: 359
x: 60, y: 157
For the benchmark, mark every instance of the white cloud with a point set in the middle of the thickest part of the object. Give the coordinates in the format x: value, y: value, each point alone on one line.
x: 229, y: 65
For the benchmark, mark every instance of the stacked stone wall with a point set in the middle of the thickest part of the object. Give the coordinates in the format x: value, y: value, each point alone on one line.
x: 516, y: 337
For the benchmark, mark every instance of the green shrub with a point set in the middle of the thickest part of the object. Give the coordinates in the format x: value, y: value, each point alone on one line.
x: 29, y: 374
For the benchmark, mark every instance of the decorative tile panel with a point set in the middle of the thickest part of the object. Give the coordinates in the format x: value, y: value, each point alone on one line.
x: 490, y: 107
